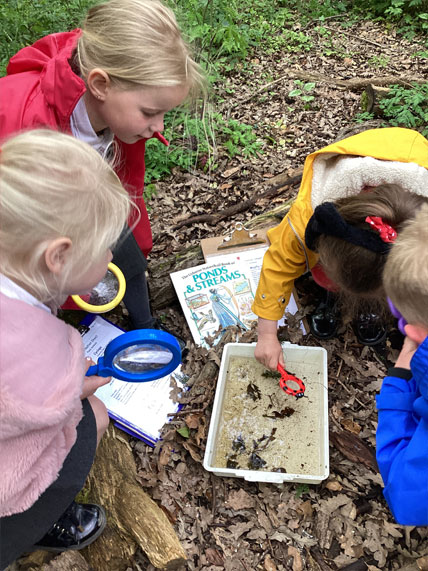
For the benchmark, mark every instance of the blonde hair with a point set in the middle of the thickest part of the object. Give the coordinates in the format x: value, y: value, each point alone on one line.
x: 405, y: 277
x: 138, y: 44
x: 53, y: 185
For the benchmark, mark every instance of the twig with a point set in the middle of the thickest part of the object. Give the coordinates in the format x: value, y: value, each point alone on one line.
x: 343, y: 385
x: 236, y: 208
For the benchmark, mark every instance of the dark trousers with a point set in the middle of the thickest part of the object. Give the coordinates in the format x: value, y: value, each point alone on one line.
x: 128, y: 256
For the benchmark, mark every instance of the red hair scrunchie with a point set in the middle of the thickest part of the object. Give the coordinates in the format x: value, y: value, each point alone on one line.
x: 386, y: 232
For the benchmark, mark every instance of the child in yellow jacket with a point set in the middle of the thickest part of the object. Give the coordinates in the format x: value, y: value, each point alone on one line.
x: 337, y: 174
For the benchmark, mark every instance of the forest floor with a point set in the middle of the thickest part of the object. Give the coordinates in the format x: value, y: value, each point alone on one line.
x: 228, y: 523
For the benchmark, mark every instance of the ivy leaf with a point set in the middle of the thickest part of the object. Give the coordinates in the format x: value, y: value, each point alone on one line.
x: 184, y: 432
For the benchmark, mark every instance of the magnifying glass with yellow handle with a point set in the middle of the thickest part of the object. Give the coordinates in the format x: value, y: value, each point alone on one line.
x: 106, y: 295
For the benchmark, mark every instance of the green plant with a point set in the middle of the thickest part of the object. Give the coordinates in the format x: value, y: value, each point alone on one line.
x: 25, y: 21
x: 301, y: 489
x: 149, y: 192
x: 411, y: 16
x: 362, y: 117
x: 378, y: 61
x: 193, y: 143
x: 303, y: 92
x: 407, y: 107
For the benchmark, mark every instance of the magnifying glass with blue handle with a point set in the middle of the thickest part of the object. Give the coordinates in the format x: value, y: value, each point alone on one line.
x: 139, y: 356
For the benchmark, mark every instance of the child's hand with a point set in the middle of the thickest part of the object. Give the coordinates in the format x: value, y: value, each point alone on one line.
x: 91, y: 384
x: 406, y: 353
x: 269, y: 352
x: 268, y: 349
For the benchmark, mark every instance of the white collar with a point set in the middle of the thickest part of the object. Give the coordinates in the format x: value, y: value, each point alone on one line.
x: 82, y: 129
x: 14, y: 291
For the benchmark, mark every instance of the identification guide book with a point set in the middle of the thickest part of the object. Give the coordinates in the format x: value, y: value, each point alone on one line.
x: 220, y: 292
x: 141, y: 409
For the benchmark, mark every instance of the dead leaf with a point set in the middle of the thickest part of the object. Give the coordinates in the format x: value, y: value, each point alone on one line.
x: 353, y: 448
x: 351, y: 426
x: 297, y: 559
x: 240, y: 500
x: 214, y: 557
x: 240, y: 528
x: 268, y: 564
x: 192, y: 420
x: 306, y: 509
x: 165, y: 454
x: 230, y: 172
x: 194, y: 451
x: 334, y: 486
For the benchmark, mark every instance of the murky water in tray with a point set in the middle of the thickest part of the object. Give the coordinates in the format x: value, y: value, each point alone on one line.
x: 295, y: 445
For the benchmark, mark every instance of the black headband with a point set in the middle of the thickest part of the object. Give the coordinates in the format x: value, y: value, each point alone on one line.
x: 327, y: 220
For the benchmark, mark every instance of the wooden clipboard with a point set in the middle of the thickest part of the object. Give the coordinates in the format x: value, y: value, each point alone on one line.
x: 239, y: 239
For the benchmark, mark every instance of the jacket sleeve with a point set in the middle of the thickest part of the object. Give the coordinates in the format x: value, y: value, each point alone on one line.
x: 286, y: 259
x: 402, y: 447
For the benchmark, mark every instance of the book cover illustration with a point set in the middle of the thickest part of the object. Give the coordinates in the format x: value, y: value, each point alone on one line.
x: 214, y: 296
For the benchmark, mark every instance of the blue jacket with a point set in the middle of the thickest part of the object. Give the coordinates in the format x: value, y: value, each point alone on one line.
x: 402, y: 439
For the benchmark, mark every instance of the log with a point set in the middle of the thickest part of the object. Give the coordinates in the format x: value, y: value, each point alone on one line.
x: 67, y: 561
x: 370, y: 98
x: 354, y: 84
x: 45, y: 561
x: 134, y: 520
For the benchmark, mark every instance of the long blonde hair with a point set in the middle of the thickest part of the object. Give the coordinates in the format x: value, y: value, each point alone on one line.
x: 53, y: 185
x: 138, y: 44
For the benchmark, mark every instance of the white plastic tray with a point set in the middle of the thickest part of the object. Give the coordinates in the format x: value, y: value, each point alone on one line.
x: 316, y: 358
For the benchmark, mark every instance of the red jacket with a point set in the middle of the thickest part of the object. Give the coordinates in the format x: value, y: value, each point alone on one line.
x: 41, y: 89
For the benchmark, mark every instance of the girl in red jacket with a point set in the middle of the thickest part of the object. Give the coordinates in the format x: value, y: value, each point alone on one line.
x: 62, y: 208
x: 109, y: 84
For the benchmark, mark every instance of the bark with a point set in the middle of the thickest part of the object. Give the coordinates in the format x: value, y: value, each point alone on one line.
x: 133, y: 519
x: 371, y: 97
x: 67, y: 561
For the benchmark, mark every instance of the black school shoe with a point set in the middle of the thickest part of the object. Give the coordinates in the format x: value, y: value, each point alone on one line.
x: 370, y: 329
x: 78, y: 527
x: 325, y: 320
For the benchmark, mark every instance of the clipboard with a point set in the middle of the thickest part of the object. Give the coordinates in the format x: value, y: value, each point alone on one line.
x: 240, y: 239
x: 243, y: 240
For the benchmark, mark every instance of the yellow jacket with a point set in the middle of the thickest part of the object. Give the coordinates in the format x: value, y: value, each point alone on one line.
x: 340, y: 169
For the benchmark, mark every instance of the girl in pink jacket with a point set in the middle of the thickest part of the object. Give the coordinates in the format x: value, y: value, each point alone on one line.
x: 109, y: 84
x: 62, y: 209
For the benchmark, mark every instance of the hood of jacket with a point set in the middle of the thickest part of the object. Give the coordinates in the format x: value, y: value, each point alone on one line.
x: 48, y: 58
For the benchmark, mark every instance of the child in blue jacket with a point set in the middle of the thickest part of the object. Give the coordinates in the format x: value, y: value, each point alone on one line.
x: 402, y: 434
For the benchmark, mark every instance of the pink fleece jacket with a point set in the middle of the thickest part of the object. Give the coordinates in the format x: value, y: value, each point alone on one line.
x: 41, y: 377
